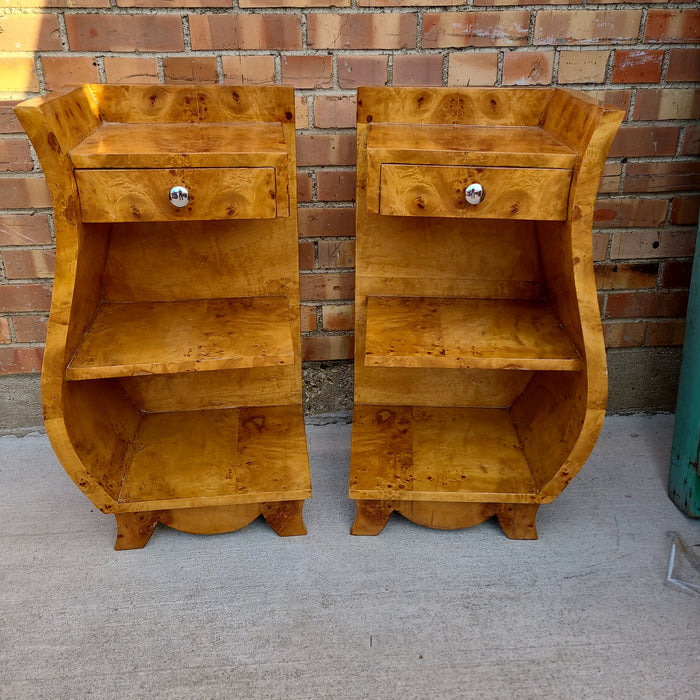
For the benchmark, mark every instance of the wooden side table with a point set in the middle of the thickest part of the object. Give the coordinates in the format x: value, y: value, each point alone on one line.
x: 171, y: 382
x: 480, y: 371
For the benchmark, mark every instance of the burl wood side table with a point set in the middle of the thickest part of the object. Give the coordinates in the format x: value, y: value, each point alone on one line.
x: 171, y: 382
x: 480, y: 370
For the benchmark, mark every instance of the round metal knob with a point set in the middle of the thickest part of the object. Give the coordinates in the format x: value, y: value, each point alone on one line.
x: 474, y: 193
x: 179, y: 196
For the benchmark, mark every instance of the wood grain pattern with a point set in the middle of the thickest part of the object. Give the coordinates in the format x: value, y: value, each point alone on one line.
x: 439, y: 190
x: 433, y: 436
x: 228, y: 456
x: 143, y: 195
x: 167, y: 104
x: 180, y: 145
x: 209, y: 457
x: 469, y: 333
x: 184, y: 336
x: 453, y: 454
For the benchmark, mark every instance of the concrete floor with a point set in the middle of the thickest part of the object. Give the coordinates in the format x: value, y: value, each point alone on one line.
x: 584, y: 612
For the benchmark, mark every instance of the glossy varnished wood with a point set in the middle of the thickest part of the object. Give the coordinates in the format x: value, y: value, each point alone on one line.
x: 469, y: 333
x: 162, y: 337
x: 182, y: 145
x: 480, y: 377
x: 146, y: 296
x: 143, y: 195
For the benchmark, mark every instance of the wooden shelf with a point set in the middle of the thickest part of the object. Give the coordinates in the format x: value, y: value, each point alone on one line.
x: 438, y: 454
x: 163, y: 337
x: 217, y: 457
x: 432, y: 332
x: 458, y: 144
x: 136, y: 145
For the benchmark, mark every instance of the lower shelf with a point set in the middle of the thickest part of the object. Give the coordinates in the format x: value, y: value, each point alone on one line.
x: 217, y: 457
x: 438, y: 454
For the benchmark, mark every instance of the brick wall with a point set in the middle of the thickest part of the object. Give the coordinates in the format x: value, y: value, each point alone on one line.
x: 642, y: 56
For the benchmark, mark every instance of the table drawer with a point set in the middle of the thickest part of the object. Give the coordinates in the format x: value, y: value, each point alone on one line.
x: 212, y: 193
x: 439, y: 190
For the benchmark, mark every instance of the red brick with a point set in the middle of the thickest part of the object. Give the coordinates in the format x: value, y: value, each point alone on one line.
x: 124, y: 33
x: 168, y: 3
x: 336, y: 254
x: 306, y: 255
x: 247, y: 32
x: 18, y: 75
x: 610, y: 179
x: 316, y: 222
x: 335, y: 112
x: 651, y: 244
x: 190, y: 69
x: 417, y: 69
x: 555, y: 27
x: 327, y: 347
x: 30, y: 329
x: 361, y: 31
x: 664, y: 333
x: 667, y: 103
x: 4, y: 331
x: 528, y: 67
x: 662, y: 176
x: 600, y: 246
x: 15, y: 156
x: 629, y: 213
x: 44, y: 4
x: 582, y: 66
x: 131, y: 69
x: 624, y: 334
x: 676, y: 274
x: 326, y: 149
x: 645, y: 141
x: 35, y: 32
x: 672, y: 26
x: 475, y: 28
x: 301, y: 109
x: 335, y: 186
x: 25, y: 297
x: 29, y: 264
x: 294, y: 3
x: 24, y: 193
x: 498, y: 3
x: 354, y: 71
x: 307, y: 71
x: 406, y: 3
x: 305, y: 187
x: 249, y: 70
x: 338, y: 285
x: 20, y: 360
x: 626, y: 276
x: 684, y: 211
x: 473, y: 69
x: 309, y: 318
x: 24, y: 229
x: 338, y: 317
x: 646, y: 304
x: 637, y: 66
x: 690, y: 146
x: 9, y: 124
x: 683, y: 65
x: 69, y: 70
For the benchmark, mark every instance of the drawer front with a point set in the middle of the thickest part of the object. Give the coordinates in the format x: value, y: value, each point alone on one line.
x: 509, y: 193
x: 144, y: 194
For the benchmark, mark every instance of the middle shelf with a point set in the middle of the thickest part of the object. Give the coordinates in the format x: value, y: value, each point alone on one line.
x: 466, y: 333
x: 161, y: 337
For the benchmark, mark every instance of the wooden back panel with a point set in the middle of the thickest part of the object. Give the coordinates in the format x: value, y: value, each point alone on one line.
x: 162, y: 104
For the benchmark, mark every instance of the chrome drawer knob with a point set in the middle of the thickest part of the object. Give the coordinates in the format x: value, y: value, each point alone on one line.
x: 179, y: 196
x: 474, y: 193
